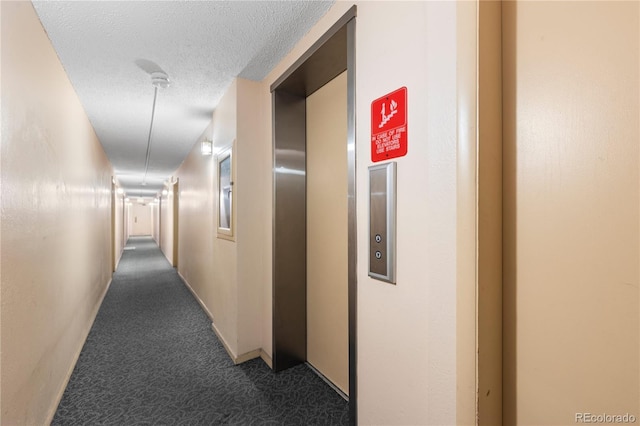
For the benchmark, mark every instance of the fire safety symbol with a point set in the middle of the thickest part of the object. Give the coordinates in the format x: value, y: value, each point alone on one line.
x: 386, y: 118
x: 389, y: 126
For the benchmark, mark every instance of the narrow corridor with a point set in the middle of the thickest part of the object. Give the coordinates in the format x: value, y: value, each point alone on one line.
x: 152, y: 358
x: 475, y: 260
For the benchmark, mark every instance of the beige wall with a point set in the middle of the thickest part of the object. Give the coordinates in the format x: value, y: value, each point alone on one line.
x: 166, y: 223
x: 252, y: 197
x: 571, y: 131
x: 412, y: 323
x: 56, y: 195
x: 197, y: 221
x: 155, y: 221
x: 120, y: 240
x: 209, y: 263
x: 127, y: 229
x: 227, y: 275
x: 197, y: 226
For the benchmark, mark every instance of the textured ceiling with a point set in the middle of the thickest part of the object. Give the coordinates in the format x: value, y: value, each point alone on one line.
x: 109, y: 47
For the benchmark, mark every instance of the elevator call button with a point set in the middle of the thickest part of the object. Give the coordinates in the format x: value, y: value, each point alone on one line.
x: 382, y: 221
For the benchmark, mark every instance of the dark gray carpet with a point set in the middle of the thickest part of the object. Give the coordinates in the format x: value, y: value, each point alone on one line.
x: 151, y: 358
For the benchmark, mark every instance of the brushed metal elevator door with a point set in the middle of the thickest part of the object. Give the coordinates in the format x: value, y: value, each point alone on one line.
x: 327, y: 232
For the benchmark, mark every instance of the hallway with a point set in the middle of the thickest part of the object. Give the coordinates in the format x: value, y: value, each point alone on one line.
x: 486, y: 212
x: 152, y: 358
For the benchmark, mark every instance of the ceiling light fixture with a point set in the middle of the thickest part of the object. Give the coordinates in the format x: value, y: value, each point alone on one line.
x: 206, y: 148
x: 159, y: 79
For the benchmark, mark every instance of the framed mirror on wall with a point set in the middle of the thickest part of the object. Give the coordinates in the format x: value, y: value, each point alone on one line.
x: 224, y: 174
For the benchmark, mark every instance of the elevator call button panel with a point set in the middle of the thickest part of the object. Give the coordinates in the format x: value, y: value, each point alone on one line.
x: 382, y: 222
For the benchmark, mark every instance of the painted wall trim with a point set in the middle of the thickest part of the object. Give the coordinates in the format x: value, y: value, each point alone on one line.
x: 266, y: 358
x: 489, y: 214
x: 247, y: 356
x: 232, y: 355
x: 237, y: 359
x: 339, y: 24
x: 119, y: 257
x: 466, y: 200
x: 195, y: 295
x: 94, y: 314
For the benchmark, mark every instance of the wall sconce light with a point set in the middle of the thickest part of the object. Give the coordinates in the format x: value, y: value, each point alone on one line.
x: 120, y: 191
x: 165, y: 192
x: 206, y: 147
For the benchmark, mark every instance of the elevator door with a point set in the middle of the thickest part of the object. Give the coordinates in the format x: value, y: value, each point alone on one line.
x: 327, y: 280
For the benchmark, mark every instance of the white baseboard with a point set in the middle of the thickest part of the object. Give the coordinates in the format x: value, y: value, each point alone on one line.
x: 94, y: 314
x: 237, y: 359
x: 266, y: 358
x: 247, y: 356
x: 195, y: 295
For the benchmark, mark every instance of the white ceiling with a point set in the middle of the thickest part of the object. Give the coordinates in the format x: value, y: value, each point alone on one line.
x: 108, y: 49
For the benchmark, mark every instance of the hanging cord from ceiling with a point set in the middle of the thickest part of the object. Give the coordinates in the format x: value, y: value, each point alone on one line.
x: 159, y: 80
x: 153, y: 113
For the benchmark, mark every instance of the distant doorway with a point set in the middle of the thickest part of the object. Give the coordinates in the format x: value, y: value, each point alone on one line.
x: 140, y: 217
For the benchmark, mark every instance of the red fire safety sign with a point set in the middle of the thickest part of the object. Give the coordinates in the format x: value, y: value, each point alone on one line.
x: 389, y: 126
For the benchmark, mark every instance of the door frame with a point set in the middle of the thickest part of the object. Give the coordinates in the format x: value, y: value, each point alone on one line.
x: 479, y: 380
x: 332, y: 54
x: 176, y: 209
x: 113, y: 224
